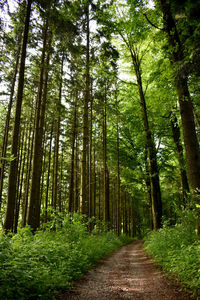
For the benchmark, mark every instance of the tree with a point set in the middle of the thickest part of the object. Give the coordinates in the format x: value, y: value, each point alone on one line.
x: 176, y: 41
x: 84, y: 177
x: 34, y: 205
x: 133, y: 37
x: 11, y: 199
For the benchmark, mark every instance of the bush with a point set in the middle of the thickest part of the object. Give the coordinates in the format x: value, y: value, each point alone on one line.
x: 177, y: 250
x: 41, y: 265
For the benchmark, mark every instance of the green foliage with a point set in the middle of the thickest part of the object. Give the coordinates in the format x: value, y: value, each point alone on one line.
x: 177, y: 250
x: 41, y: 265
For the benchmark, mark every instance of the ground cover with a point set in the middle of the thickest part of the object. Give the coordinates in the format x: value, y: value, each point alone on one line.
x: 41, y: 265
x: 177, y: 250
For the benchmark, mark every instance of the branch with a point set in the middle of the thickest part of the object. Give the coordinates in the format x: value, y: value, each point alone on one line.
x: 126, y: 82
x: 152, y: 23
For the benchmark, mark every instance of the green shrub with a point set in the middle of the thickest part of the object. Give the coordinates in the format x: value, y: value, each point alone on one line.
x: 177, y: 250
x: 38, y: 266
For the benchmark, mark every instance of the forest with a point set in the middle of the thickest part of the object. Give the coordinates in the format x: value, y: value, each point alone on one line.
x: 99, y: 138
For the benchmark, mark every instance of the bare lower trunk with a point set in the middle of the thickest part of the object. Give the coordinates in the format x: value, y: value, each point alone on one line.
x: 72, y: 173
x: 48, y: 176
x: 118, y: 200
x: 179, y: 149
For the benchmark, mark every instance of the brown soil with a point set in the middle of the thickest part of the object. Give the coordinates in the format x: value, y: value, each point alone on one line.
x: 125, y: 274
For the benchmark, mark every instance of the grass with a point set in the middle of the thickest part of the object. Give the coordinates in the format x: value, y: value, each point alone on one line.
x: 177, y: 250
x: 40, y: 266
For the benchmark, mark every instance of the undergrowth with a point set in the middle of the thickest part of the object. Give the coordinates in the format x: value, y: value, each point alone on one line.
x: 177, y: 250
x: 41, y: 265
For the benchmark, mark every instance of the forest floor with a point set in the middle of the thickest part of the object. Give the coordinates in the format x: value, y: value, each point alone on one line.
x: 128, y: 274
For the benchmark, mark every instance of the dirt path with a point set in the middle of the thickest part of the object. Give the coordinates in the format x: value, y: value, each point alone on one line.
x: 125, y: 274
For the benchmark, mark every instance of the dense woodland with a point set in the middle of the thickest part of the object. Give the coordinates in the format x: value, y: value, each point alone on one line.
x: 100, y: 110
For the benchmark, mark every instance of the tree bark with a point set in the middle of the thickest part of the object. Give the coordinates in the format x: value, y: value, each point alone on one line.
x: 7, y: 124
x: 151, y: 150
x: 12, y: 181
x: 74, y: 134
x: 185, y: 103
x: 106, y: 214
x: 179, y: 149
x: 91, y: 200
x: 118, y: 199
x: 76, y: 183
x: 84, y: 177
x: 22, y: 163
x: 34, y: 206
x: 48, y: 175
x: 56, y: 161
x: 28, y: 174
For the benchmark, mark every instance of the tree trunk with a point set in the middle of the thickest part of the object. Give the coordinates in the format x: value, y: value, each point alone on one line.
x: 23, y: 157
x: 74, y: 134
x: 76, y: 183
x: 34, y: 206
x: 60, y: 204
x: 84, y: 177
x: 7, y: 124
x: 94, y: 183
x: 91, y: 201
x: 151, y: 150
x: 48, y: 175
x: 179, y: 149
x: 106, y: 214
x: 28, y: 174
x: 12, y: 181
x: 43, y: 169
x: 56, y: 161
x: 118, y: 198
x: 185, y: 103
x: 148, y: 186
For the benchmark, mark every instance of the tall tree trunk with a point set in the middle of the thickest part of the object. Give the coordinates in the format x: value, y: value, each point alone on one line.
x: 28, y: 173
x: 148, y: 186
x: 94, y: 183
x: 151, y: 150
x: 72, y: 205
x: 56, y: 161
x: 7, y: 124
x: 133, y: 227
x: 60, y: 204
x: 34, y: 206
x: 19, y: 155
x: 76, y: 183
x: 12, y: 181
x: 91, y: 201
x: 43, y: 170
x: 48, y: 175
x: 185, y: 103
x: 99, y: 198
x: 125, y: 214
x: 23, y: 157
x: 84, y: 177
x: 106, y: 213
x: 118, y: 198
x: 179, y: 149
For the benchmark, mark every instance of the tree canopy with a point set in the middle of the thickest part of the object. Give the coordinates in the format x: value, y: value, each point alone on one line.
x: 100, y: 110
